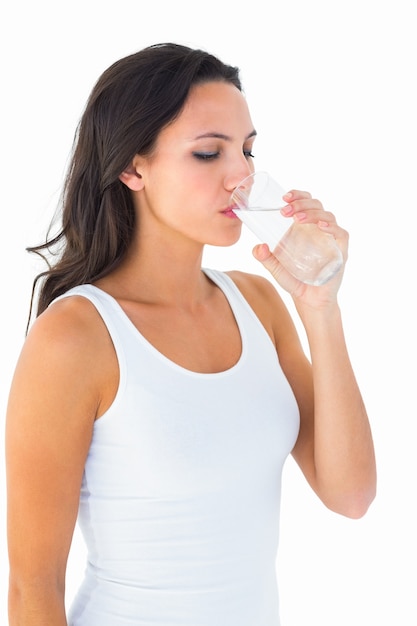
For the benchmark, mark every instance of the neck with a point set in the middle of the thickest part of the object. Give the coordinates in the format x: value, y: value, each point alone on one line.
x: 161, y: 273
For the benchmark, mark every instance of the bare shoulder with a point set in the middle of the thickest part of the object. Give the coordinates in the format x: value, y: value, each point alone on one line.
x: 71, y: 319
x: 253, y: 283
x: 68, y: 345
x: 66, y: 334
x: 267, y: 303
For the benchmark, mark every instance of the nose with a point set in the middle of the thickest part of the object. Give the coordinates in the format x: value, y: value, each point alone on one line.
x: 234, y: 178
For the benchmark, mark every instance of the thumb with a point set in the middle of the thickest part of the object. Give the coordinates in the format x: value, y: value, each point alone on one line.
x: 262, y: 253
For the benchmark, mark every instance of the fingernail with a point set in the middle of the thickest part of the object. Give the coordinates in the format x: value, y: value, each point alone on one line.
x: 287, y: 209
x: 300, y: 216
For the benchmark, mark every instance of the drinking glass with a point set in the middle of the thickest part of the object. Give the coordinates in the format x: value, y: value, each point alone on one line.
x: 308, y: 253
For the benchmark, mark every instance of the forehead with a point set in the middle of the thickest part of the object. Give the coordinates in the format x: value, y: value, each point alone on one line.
x: 213, y: 107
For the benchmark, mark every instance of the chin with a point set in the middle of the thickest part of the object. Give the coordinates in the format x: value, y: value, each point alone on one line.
x: 225, y: 242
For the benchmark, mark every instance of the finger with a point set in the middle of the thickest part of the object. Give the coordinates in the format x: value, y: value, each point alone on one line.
x: 340, y: 235
x: 302, y: 204
x: 296, y: 194
x: 326, y: 222
x: 291, y: 284
x: 314, y: 215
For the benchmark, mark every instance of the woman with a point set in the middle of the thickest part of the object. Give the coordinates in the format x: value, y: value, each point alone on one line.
x: 157, y: 399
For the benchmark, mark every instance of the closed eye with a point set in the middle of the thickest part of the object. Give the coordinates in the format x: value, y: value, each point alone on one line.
x: 210, y: 156
x: 206, y: 156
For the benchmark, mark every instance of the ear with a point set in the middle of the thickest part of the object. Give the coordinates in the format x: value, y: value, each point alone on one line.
x: 131, y: 176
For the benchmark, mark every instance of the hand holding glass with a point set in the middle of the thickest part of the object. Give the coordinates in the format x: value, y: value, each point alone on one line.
x: 308, y: 253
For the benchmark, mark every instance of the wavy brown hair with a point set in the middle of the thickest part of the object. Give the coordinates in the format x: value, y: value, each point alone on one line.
x: 131, y: 102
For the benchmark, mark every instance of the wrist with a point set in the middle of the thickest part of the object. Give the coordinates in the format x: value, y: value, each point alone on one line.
x: 325, y: 315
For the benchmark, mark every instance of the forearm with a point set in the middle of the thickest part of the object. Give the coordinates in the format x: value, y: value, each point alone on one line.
x: 344, y: 458
x: 36, y: 605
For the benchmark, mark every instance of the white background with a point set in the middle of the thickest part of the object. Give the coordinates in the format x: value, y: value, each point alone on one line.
x: 332, y: 91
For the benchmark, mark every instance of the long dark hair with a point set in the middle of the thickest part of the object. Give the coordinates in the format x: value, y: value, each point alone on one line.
x: 131, y: 102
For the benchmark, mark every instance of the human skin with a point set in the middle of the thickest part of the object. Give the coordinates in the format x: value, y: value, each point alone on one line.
x: 67, y: 374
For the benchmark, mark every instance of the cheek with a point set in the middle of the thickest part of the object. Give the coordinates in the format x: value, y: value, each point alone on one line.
x: 176, y: 206
x: 188, y: 197
x: 181, y: 194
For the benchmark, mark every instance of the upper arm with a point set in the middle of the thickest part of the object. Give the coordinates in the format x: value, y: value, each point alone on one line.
x: 53, y: 401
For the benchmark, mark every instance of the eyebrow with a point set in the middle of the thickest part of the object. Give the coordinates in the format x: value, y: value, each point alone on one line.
x: 214, y: 135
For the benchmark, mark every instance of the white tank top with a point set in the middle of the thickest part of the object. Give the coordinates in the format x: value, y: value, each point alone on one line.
x: 180, y: 498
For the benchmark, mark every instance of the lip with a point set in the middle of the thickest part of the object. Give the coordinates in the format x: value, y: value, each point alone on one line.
x: 229, y: 212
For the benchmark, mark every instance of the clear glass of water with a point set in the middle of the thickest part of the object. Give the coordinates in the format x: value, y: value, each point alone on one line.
x: 308, y: 253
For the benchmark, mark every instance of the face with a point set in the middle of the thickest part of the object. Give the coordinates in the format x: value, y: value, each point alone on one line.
x: 198, y: 160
